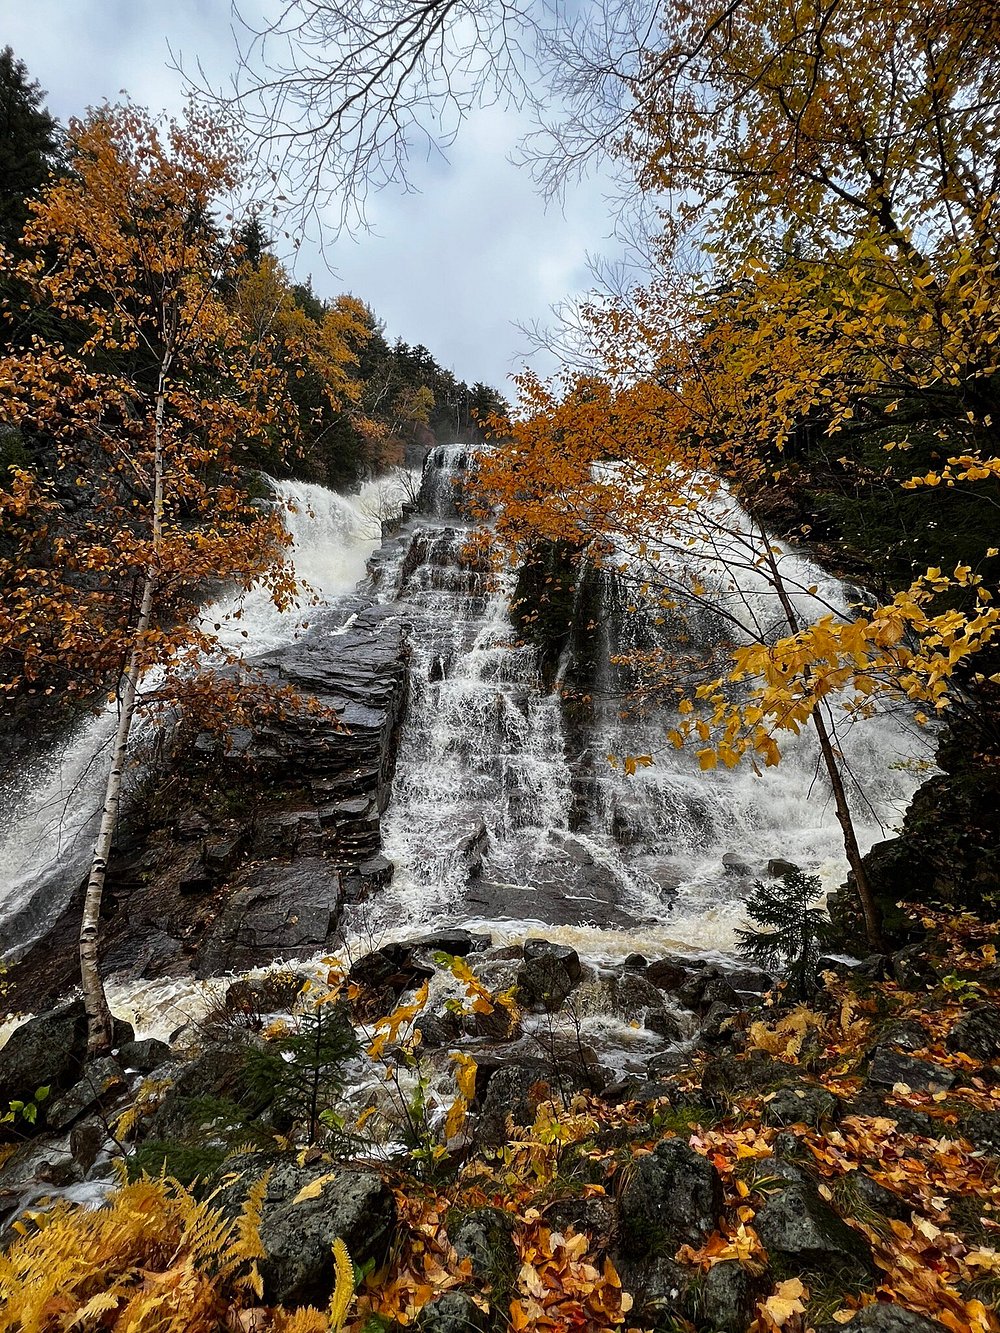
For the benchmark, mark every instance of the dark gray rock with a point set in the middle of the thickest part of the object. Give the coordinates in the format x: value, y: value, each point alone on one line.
x: 912, y: 968
x: 451, y: 1312
x: 892, y: 1318
x: 717, y: 1025
x: 872, y: 968
x: 904, y: 1035
x: 596, y: 1216
x: 708, y: 988
x: 515, y: 1090
x: 283, y: 911
x: 734, y: 864
x: 394, y: 967
x: 353, y: 1203
x: 665, y: 1023
x: 888, y: 1067
x: 729, y: 1297
x: 778, y: 868
x: 669, y: 1197
x: 485, y: 1237
x: 635, y: 962
x: 982, y: 1129
x: 876, y: 1197
x: 661, y: 1289
x: 631, y: 995
x: 143, y: 1056
x: 667, y: 973
x: 454, y: 941
x: 548, y: 975
x: 977, y: 1033
x: 725, y: 1077
x: 872, y: 1102
x: 49, y: 1051
x: 101, y: 1082
x: 275, y: 992
x: 798, y: 1228
x: 437, y: 1030
x: 805, y: 1104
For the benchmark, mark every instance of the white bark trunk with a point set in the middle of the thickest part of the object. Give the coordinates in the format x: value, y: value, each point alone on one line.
x: 99, y: 1025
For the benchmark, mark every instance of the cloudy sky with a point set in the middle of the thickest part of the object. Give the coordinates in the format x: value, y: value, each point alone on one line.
x: 454, y: 266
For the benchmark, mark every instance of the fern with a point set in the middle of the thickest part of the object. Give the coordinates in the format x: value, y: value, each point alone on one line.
x: 154, y: 1257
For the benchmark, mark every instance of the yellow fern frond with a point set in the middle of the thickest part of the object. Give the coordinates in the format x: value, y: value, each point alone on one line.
x: 343, y: 1287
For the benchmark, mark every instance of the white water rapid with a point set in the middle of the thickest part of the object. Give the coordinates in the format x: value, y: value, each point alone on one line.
x: 51, y: 812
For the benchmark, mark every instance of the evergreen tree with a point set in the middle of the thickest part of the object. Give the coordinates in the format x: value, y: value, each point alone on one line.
x: 793, y: 929
x: 29, y: 144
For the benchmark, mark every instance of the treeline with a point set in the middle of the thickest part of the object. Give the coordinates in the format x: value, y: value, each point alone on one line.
x: 365, y: 403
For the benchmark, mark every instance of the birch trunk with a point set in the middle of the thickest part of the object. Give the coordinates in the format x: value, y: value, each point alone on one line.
x: 99, y: 1023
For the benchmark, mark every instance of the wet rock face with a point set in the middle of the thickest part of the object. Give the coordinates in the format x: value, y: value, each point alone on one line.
x: 548, y: 975
x: 282, y: 912
x: 293, y: 818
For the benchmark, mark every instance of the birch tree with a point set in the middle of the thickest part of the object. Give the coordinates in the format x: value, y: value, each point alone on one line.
x: 125, y: 361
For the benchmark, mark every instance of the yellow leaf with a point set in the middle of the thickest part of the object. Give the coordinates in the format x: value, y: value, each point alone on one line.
x: 786, y: 1301
x: 315, y: 1187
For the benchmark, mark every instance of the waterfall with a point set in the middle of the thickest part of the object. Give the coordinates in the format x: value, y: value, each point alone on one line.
x: 55, y: 808
x: 506, y: 812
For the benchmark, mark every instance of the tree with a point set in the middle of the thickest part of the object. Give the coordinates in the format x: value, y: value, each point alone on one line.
x: 29, y: 144
x: 153, y: 404
x: 793, y: 929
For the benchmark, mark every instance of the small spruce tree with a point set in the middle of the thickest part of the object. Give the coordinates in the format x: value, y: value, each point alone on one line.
x: 792, y: 930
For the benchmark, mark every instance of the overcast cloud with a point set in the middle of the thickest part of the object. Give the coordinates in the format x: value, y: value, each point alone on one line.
x: 455, y: 266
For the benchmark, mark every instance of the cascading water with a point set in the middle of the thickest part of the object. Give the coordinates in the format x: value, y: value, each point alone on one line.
x: 54, y: 809
x: 506, y: 812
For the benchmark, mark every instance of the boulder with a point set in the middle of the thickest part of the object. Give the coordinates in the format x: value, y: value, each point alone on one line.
x: 548, y: 975
x: 667, y: 973
x: 143, y: 1056
x: 889, y: 1067
x: 484, y: 1236
x: 778, y: 868
x: 706, y: 989
x: 977, y: 1033
x: 297, y: 1232
x: 101, y: 1082
x: 631, y: 995
x: 982, y: 1129
x: 665, y: 1023
x: 669, y: 1197
x: 892, y: 1318
x: 393, y: 967
x: 729, y: 1297
x: 49, y: 1051
x: 717, y: 1025
x: 904, y: 1034
x: 805, y: 1104
x: 734, y: 864
x: 799, y: 1230
x: 515, y: 1090
x: 455, y: 941
x: 274, y: 992
x: 451, y: 1312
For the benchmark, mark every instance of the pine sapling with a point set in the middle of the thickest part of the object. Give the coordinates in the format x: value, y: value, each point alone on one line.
x: 792, y: 929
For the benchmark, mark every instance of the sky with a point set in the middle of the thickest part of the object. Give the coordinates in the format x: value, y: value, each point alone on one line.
x: 456, y: 266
